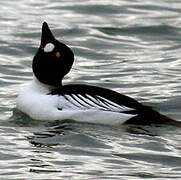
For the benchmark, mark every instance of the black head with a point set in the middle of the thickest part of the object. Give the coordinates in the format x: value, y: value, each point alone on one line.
x: 53, y: 59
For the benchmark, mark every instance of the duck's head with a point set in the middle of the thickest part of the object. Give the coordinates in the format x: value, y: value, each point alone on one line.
x: 53, y: 59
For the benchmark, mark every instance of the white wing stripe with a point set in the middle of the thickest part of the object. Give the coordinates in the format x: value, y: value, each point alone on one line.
x: 109, y: 102
x: 89, y: 102
x: 81, y: 101
x: 73, y: 101
x: 124, y: 108
x: 103, y: 100
x: 99, y: 101
x: 108, y: 105
x: 91, y: 105
x: 94, y: 100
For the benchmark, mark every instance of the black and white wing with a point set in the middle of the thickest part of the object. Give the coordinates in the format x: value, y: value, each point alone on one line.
x: 85, y: 97
x: 91, y: 97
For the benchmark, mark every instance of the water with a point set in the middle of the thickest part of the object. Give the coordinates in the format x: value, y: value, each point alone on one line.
x: 133, y: 47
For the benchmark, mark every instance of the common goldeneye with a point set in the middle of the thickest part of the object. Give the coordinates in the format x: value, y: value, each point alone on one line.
x: 47, y: 99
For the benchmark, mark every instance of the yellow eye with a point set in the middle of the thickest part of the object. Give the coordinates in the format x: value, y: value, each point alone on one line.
x: 57, y: 54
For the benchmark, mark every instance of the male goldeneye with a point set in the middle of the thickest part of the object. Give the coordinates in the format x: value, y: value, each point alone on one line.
x: 47, y: 99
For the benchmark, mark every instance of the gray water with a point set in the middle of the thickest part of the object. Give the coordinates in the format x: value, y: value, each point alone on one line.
x: 130, y: 46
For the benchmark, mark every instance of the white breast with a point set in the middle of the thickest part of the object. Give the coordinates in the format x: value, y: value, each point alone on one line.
x: 36, y: 104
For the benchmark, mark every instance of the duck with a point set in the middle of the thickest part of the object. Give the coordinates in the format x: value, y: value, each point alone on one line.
x: 46, y: 98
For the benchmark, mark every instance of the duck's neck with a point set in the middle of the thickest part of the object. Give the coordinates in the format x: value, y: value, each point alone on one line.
x: 41, y: 87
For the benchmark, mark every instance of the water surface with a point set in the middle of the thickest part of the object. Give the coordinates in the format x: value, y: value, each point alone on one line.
x: 133, y: 47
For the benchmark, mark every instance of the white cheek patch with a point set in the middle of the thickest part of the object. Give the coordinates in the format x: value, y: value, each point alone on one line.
x: 49, y: 47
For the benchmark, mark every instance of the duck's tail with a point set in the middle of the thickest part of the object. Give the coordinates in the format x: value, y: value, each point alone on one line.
x: 148, y: 116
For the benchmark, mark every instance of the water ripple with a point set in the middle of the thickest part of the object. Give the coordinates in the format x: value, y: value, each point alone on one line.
x: 129, y: 46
